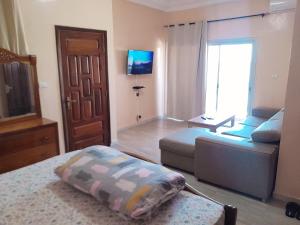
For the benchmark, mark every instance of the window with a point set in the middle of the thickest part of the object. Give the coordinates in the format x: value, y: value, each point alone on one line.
x: 229, y: 79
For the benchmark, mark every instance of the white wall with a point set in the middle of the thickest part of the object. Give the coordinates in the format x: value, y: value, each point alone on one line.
x: 288, y: 173
x: 40, y: 17
x: 138, y: 27
x: 273, y: 35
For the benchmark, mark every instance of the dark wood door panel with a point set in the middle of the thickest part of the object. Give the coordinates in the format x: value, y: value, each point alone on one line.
x: 82, y: 56
x: 97, y: 69
x: 89, y: 142
x: 80, y: 45
x: 87, y: 130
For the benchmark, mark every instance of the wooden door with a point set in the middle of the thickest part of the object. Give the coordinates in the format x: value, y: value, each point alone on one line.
x: 82, y: 58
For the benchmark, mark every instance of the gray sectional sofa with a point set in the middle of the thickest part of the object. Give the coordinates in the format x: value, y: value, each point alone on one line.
x: 243, y: 158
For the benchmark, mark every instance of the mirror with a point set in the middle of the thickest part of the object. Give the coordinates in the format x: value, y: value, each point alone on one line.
x: 16, y: 90
x: 19, y: 97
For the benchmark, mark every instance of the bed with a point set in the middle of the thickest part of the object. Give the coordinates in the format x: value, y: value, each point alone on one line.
x: 35, y: 195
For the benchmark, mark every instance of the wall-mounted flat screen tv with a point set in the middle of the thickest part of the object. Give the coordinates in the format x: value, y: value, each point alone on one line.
x: 140, y: 62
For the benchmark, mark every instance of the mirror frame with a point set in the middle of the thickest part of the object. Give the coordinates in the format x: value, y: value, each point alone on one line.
x: 10, y: 57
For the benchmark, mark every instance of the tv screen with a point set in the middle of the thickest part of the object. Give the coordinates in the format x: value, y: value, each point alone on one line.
x: 139, y: 62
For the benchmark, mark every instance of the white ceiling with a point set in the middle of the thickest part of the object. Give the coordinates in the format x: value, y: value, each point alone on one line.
x: 175, y: 5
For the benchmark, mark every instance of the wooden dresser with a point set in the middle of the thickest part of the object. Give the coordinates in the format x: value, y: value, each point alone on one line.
x: 25, y: 136
x: 27, y: 142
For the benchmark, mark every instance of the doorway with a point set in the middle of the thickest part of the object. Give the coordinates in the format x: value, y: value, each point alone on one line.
x: 230, y: 78
x: 82, y: 59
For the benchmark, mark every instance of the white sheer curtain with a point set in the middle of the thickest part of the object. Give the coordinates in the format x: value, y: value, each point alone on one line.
x: 12, y: 35
x: 186, y: 70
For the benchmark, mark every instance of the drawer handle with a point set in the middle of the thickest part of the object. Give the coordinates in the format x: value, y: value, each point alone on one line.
x: 45, y: 140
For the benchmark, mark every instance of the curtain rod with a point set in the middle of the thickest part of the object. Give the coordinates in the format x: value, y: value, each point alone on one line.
x: 225, y: 19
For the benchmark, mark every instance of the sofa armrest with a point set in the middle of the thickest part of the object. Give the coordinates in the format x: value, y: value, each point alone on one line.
x: 264, y: 112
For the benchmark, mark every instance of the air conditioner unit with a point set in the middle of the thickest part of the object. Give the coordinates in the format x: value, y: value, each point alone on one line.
x: 282, y: 5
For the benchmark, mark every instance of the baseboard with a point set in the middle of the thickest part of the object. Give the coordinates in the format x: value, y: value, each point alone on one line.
x: 141, y: 123
x: 114, y: 141
x: 285, y: 198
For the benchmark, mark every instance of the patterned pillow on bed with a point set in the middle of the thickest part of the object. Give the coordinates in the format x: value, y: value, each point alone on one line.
x: 130, y: 186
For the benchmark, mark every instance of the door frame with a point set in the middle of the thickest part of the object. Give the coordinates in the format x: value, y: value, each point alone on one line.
x: 58, y: 30
x: 252, y: 78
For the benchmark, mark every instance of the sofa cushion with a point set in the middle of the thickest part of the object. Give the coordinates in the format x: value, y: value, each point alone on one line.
x: 182, y: 142
x: 240, y: 131
x: 253, y: 121
x: 269, y: 131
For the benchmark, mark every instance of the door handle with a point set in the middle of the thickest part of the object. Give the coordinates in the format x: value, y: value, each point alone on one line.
x: 69, y: 101
x: 8, y: 89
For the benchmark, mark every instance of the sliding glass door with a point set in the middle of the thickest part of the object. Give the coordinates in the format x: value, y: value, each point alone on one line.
x: 229, y: 77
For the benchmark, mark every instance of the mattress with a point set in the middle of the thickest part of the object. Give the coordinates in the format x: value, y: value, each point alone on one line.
x: 35, y: 195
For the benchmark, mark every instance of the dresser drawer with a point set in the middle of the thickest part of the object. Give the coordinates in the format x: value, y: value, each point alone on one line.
x: 27, y: 140
x: 26, y: 157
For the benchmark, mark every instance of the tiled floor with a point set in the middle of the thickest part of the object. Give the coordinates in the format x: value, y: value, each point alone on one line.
x: 144, y: 139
